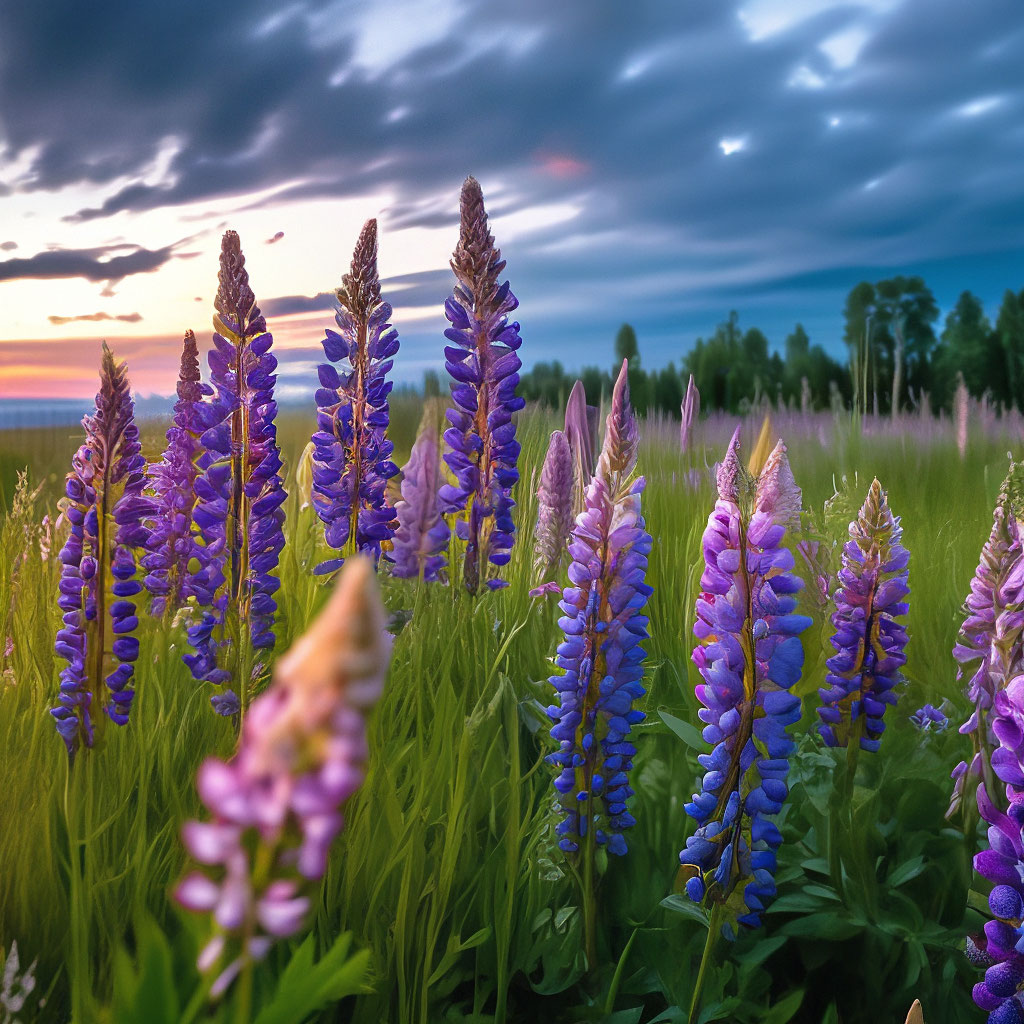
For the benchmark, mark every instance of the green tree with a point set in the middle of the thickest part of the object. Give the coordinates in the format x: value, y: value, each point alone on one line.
x: 1010, y: 334
x: 968, y: 345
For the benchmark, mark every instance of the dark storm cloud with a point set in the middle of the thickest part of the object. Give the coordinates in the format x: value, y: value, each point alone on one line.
x: 92, y: 264
x: 620, y: 113
x: 125, y: 318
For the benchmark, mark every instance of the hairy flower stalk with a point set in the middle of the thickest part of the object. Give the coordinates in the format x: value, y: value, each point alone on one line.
x: 868, y: 640
x: 421, y: 540
x: 581, y: 434
x: 990, y: 645
x: 601, y: 657
x: 105, y: 508
x: 483, y: 362
x: 240, y: 494
x: 172, y: 483
x: 750, y: 656
x: 690, y: 409
x: 554, y: 508
x: 352, y: 454
x: 276, y: 805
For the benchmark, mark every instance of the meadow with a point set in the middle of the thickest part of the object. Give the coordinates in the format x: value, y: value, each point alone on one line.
x: 448, y: 878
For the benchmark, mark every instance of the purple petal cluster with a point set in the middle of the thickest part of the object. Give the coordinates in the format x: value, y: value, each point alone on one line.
x: 991, y: 642
x: 601, y: 657
x: 750, y: 656
x: 421, y: 540
x: 172, y: 483
x: 351, y: 451
x: 929, y: 719
x: 483, y: 363
x: 689, y: 410
x: 554, y: 508
x: 105, y: 509
x: 239, y: 492
x: 868, y: 640
x: 276, y: 805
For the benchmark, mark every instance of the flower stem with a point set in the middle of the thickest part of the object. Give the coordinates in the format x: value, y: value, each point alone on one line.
x: 613, y: 989
x: 588, y: 894
x: 709, y: 946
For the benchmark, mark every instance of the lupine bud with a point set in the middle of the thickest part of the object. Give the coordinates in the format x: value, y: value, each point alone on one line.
x: 172, y: 483
x: 276, y: 805
x: 690, y: 410
x: 601, y: 657
x: 554, y: 508
x: 484, y: 364
x: 929, y: 719
x: 239, y: 513
x: 864, y: 671
x: 352, y: 456
x: 582, y: 444
x: 105, y: 507
x: 421, y: 541
x: 750, y: 656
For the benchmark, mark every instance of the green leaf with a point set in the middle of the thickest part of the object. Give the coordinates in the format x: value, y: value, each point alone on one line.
x: 782, y: 1012
x: 630, y: 1016
x: 689, y: 734
x: 822, y: 925
x: 684, y: 905
x: 146, y: 995
x: 906, y: 871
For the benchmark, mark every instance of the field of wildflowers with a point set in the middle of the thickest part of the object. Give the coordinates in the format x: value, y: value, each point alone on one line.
x: 587, y: 718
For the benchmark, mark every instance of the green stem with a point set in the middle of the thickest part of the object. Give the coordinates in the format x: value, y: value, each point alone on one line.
x: 709, y: 946
x: 243, y: 1001
x: 613, y: 990
x: 589, y: 897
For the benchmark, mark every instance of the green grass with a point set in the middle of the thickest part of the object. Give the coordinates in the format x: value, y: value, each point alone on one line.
x: 447, y: 871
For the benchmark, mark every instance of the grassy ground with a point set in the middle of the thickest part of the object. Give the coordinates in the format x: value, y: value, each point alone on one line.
x: 447, y: 871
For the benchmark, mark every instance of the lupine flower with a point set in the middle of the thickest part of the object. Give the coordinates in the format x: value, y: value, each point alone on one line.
x: 483, y: 362
x: 239, y: 491
x: 352, y: 454
x: 16, y: 986
x: 105, y: 507
x: 582, y: 443
x: 929, y: 719
x: 961, y: 409
x: 276, y: 805
x: 601, y: 657
x: 864, y: 671
x: 554, y: 508
x: 172, y: 482
x: 421, y: 540
x: 991, y: 642
x: 690, y: 410
x: 750, y: 656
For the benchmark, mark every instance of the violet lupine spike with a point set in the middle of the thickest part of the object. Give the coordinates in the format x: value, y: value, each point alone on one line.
x: 690, y: 410
x: 240, y: 494
x: 868, y: 640
x: 581, y: 444
x: 991, y: 642
x: 276, y: 805
x: 750, y: 656
x: 554, y: 508
x: 172, y: 483
x: 601, y: 656
x: 105, y: 508
x: 483, y: 362
x: 352, y: 454
x: 421, y: 540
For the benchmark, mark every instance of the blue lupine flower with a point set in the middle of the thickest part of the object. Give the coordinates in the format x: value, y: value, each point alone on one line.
x: 929, y: 719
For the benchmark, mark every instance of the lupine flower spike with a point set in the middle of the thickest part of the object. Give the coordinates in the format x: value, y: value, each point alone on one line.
x: 991, y: 644
x: 750, y: 656
x: 172, y: 483
x: 352, y: 453
x: 105, y: 507
x: 554, y: 509
x: 483, y: 362
x: 582, y: 444
x: 276, y: 806
x: 240, y: 494
x: 869, y: 640
x: 421, y: 541
x: 690, y: 410
x: 601, y: 657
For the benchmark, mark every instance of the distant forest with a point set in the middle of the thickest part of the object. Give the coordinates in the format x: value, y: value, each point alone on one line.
x: 895, y: 355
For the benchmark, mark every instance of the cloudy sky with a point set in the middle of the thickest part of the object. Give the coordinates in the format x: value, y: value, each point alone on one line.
x: 661, y: 162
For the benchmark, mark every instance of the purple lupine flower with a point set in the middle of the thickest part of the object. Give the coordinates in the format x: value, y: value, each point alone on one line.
x: 105, y: 507
x: 172, y: 482
x: 601, y: 656
x: 276, y: 805
x: 239, y: 490
x: 421, y: 540
x: 750, y: 656
x: 582, y: 439
x: 689, y: 409
x: 929, y: 719
x: 868, y: 641
x: 483, y: 362
x: 554, y: 508
x: 991, y: 642
x: 352, y: 454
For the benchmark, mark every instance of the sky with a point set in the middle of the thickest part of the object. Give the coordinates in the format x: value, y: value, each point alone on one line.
x: 659, y: 162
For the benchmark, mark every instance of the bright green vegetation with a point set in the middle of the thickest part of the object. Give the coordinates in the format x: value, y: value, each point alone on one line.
x: 447, y: 871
